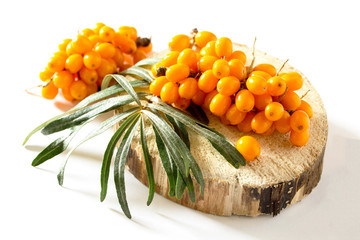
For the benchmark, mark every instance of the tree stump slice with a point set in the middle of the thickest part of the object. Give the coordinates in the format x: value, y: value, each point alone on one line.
x: 282, y: 175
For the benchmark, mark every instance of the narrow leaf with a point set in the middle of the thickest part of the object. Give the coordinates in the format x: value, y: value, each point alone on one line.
x: 138, y: 72
x: 198, y: 113
x: 180, y: 186
x: 148, y: 61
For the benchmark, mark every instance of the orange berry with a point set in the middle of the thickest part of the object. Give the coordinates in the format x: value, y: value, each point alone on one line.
x: 66, y: 94
x: 170, y: 58
x: 98, y: 27
x: 128, y: 59
x: 81, y: 44
x: 274, y: 111
x: 256, y: 85
x: 179, y: 42
x: 293, y: 80
x: 89, y: 76
x: 106, y: 50
x: 245, y: 125
x: 299, y: 138
x: 177, y: 72
x: 228, y: 85
x: 139, y: 55
x: 49, y: 91
x: 238, y: 55
x: 265, y: 67
x: 206, y: 63
x: 155, y: 69
x: 208, y: 98
x: 46, y: 74
x: 237, y: 69
x: 199, y: 98
x: 306, y: 107
x: 91, y: 89
x: 283, y: 124
x: 92, y: 60
x: 118, y: 57
x: 87, y: 32
x: 63, y: 79
x: 249, y: 148
x: 69, y: 49
x: 57, y: 63
x: 244, y: 100
x: 290, y: 101
x: 207, y: 81
x: 130, y: 32
x: 223, y: 47
x: 261, y: 101
x: 106, y: 67
x: 276, y: 86
x: 126, y: 44
x: 221, y: 68
x: 220, y: 104
x: 94, y: 39
x: 106, y: 33
x: 169, y: 92
x: 260, y: 124
x: 182, y: 103
x: 63, y: 44
x: 209, y: 49
x: 269, y: 131
x: 78, y: 90
x: 74, y: 63
x: 203, y: 37
x: 188, y: 88
x: 147, y: 48
x: 234, y: 116
x: 299, y: 121
x: 224, y: 120
x: 157, y: 84
x: 260, y: 74
x: 188, y: 57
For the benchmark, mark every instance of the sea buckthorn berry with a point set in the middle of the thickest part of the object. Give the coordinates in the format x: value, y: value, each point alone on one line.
x: 237, y: 69
x: 156, y: 72
x: 306, y: 107
x: 69, y: 49
x: 265, y: 67
x: 139, y: 55
x: 269, y: 131
x: 221, y: 68
x: 63, y: 45
x: 293, y: 80
x: 56, y: 63
x: 66, y: 94
x: 260, y: 74
x: 228, y: 85
x: 223, y: 47
x: 89, y: 76
x: 256, y: 85
x: 299, y: 138
x: 74, y: 63
x: 118, y: 57
x: 207, y: 81
x: 220, y: 104
x: 147, y: 48
x: 126, y: 44
x: 244, y: 100
x: 106, y: 50
x: 113, y: 64
x: 238, y: 55
x: 81, y: 44
x: 261, y: 101
x: 290, y: 101
x: 208, y: 98
x: 46, y: 74
x: 224, y: 120
x: 157, y: 84
x: 131, y: 32
x: 106, y: 33
x: 170, y: 58
x: 92, y: 60
x: 91, y: 89
x: 78, y: 90
x: 188, y: 88
x: 106, y: 67
x: 128, y: 59
x: 249, y: 148
x: 177, y: 72
x: 206, y: 63
x: 299, y: 121
x: 188, y: 57
x: 209, y: 49
x: 87, y: 32
x: 199, y: 98
x: 169, y: 92
x: 182, y: 103
x: 49, y: 91
x: 276, y: 86
x: 203, y: 37
x: 179, y: 42
x: 274, y: 111
x: 63, y: 79
x: 260, y: 123
x: 283, y: 124
x: 234, y: 116
x: 94, y: 39
x: 98, y: 27
x: 245, y: 125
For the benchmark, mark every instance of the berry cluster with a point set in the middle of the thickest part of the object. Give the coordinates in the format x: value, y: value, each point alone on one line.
x: 79, y: 66
x: 207, y: 70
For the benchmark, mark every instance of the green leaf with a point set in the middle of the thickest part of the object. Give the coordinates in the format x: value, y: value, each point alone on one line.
x: 102, y: 128
x: 138, y: 72
x: 119, y: 166
x: 105, y: 167
x: 148, y: 163
x: 148, y: 61
x: 180, y: 129
x: 124, y: 82
x: 198, y: 113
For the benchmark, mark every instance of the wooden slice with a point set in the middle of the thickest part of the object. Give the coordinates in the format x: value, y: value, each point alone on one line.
x: 281, y: 176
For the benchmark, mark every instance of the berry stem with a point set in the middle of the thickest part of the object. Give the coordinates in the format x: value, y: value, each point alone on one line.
x: 253, y: 60
x: 278, y: 72
x: 37, y: 86
x: 281, y: 96
x: 305, y: 94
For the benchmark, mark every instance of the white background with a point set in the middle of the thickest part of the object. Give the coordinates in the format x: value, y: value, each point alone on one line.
x: 321, y: 38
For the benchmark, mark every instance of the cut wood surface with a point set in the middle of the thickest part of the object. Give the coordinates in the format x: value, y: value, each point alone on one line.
x: 281, y: 176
